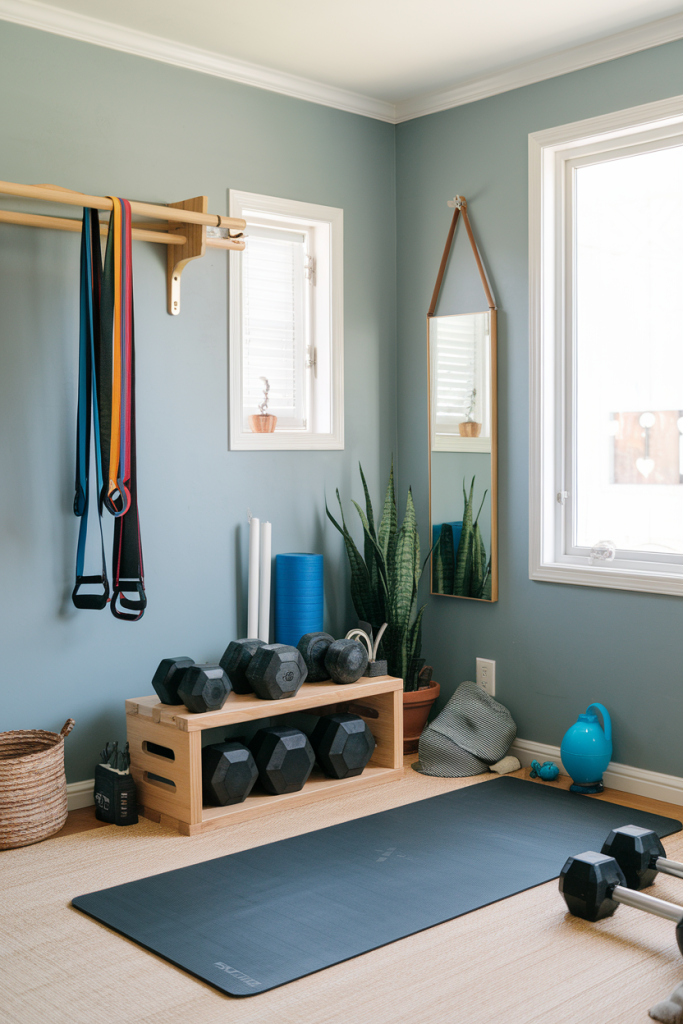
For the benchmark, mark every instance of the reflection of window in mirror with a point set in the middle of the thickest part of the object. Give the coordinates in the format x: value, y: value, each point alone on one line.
x: 460, y: 375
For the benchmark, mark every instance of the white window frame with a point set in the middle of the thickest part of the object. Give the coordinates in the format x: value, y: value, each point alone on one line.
x: 552, y: 156
x: 329, y: 268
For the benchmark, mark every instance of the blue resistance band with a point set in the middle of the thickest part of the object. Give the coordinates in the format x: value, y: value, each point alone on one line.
x: 88, y: 409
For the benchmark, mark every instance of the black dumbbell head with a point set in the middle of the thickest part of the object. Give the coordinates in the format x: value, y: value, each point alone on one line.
x: 587, y: 882
x: 228, y: 773
x: 343, y: 745
x: 284, y: 758
x: 204, y: 688
x: 346, y: 661
x: 276, y: 671
x: 635, y: 850
x: 235, y: 662
x: 167, y: 678
x: 313, y: 648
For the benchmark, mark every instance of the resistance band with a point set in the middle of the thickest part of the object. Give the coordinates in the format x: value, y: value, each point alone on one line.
x: 113, y: 395
x: 88, y: 398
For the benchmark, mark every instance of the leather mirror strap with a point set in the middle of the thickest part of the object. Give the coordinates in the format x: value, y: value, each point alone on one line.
x: 460, y: 204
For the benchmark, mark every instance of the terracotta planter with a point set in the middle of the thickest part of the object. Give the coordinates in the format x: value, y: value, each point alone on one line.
x: 416, y: 707
x: 262, y: 424
x: 468, y: 429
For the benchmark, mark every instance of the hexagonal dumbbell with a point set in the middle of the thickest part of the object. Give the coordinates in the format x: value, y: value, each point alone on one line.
x: 235, y: 661
x: 313, y: 647
x: 284, y: 758
x: 204, y: 688
x: 640, y: 855
x: 593, y: 887
x: 346, y: 661
x: 228, y: 773
x: 343, y: 745
x: 276, y: 671
x: 168, y: 677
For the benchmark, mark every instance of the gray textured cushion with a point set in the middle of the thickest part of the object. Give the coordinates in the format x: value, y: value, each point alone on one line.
x: 472, y: 732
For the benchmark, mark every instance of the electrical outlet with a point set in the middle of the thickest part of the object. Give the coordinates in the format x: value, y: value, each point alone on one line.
x: 486, y: 676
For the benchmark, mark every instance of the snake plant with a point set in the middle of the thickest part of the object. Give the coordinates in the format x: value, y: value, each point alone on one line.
x: 465, y: 572
x: 385, y: 579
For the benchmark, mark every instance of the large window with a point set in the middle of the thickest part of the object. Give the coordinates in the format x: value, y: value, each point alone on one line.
x: 607, y: 351
x: 286, y: 326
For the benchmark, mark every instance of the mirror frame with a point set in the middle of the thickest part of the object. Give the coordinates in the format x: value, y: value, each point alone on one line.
x: 460, y: 207
x: 494, y: 460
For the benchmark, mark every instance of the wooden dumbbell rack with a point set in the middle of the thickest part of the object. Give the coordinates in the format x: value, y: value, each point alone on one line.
x: 178, y: 801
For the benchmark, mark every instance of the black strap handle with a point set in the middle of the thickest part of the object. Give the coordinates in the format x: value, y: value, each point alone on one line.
x: 94, y: 601
x: 128, y: 587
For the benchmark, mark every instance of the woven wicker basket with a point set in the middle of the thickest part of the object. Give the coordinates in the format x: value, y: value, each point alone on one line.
x: 32, y: 785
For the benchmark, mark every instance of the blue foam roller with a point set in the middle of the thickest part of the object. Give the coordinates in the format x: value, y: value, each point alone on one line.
x: 299, y: 601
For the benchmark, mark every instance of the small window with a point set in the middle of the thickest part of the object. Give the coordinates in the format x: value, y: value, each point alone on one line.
x: 607, y: 352
x: 286, y: 326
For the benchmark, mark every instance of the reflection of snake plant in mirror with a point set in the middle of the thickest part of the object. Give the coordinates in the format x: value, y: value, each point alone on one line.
x: 465, y: 571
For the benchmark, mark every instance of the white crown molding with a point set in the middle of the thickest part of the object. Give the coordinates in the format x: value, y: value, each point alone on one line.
x: 61, y: 22
x: 621, y: 777
x: 644, y: 37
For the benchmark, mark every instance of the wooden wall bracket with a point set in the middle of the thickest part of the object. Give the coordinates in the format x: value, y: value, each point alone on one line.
x: 177, y: 256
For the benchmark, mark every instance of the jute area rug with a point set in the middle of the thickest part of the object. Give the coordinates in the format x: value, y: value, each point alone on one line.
x: 520, y: 961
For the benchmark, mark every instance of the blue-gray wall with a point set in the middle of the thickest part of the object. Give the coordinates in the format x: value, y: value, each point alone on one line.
x: 101, y: 121
x: 557, y: 647
x: 107, y: 123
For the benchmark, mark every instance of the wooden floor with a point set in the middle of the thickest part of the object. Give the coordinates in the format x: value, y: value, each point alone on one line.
x: 522, y: 960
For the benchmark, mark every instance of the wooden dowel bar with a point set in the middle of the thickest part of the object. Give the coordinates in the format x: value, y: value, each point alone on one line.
x: 33, y: 220
x: 226, y: 243
x: 57, y: 195
x: 146, y: 234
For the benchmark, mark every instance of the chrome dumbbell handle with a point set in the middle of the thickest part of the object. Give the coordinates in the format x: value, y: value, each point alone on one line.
x: 650, y: 904
x: 669, y: 867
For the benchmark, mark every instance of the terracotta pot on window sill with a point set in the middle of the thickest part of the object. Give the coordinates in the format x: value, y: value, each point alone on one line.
x: 262, y: 424
x: 469, y: 429
x: 416, y: 707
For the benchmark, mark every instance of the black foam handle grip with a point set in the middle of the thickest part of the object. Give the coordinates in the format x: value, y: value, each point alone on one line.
x: 96, y: 602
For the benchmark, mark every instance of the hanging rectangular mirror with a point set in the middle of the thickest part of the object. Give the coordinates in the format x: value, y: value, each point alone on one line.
x: 462, y: 443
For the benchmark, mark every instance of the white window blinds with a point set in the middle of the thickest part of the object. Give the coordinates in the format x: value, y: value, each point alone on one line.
x: 458, y: 373
x: 274, y: 325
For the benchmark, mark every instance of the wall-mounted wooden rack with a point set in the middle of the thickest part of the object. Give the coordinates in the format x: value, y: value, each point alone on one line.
x: 184, y: 230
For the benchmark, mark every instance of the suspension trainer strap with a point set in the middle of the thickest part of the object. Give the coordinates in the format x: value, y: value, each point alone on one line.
x: 121, y: 497
x: 117, y: 328
x: 88, y: 409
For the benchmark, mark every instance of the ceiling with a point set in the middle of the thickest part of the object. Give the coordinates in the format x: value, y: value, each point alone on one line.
x: 389, y: 50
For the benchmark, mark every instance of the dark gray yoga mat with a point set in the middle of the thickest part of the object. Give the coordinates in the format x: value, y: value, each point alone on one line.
x: 257, y: 919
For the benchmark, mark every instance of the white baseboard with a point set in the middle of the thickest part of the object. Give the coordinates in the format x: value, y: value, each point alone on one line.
x: 80, y: 794
x: 618, y: 776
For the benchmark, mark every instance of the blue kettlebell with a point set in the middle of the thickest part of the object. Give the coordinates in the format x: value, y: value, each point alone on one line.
x: 587, y: 750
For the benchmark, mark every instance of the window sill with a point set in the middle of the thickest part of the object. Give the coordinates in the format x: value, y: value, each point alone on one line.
x: 613, y: 578
x: 284, y: 440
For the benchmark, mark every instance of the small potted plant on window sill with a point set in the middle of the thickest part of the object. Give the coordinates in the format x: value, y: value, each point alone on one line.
x: 384, y: 588
x: 263, y: 422
x: 469, y: 427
